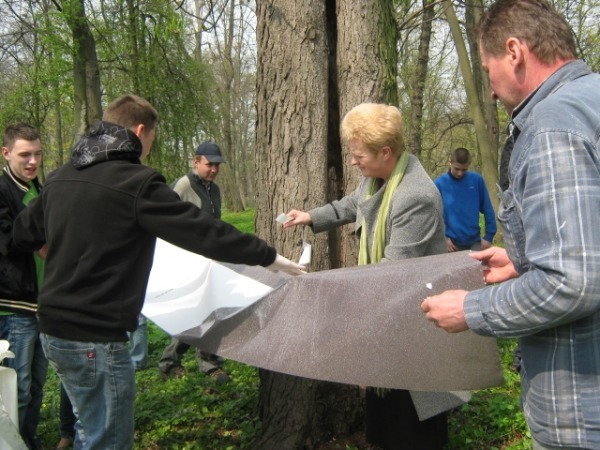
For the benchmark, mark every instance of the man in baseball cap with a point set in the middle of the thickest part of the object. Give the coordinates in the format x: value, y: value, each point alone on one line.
x: 210, y: 151
x: 199, y: 188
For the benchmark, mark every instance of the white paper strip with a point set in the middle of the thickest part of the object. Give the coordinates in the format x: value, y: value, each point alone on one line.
x: 185, y: 288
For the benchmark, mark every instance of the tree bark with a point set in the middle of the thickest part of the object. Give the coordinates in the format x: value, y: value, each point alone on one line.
x: 316, y: 60
x: 414, y: 143
x: 482, y: 82
x: 365, y: 70
x: 232, y: 191
x: 86, y: 71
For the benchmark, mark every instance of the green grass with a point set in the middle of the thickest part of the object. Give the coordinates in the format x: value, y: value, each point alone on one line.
x: 243, y: 221
x: 493, y: 419
x: 194, y: 413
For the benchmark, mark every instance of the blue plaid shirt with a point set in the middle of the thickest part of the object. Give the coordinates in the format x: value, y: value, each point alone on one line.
x: 550, y: 215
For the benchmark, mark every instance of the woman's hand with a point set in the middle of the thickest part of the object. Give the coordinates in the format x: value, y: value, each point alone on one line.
x: 297, y: 218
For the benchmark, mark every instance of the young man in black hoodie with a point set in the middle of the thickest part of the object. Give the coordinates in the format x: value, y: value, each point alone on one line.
x: 20, y: 273
x: 100, y: 215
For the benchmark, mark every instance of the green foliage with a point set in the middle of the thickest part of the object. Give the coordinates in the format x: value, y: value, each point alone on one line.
x: 192, y: 411
x: 155, y: 59
x: 144, y: 47
x: 493, y: 418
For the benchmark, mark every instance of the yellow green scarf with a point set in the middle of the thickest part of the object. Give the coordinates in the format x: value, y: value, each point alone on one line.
x: 379, y: 235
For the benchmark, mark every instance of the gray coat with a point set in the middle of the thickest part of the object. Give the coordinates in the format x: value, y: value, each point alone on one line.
x: 415, y: 227
x: 415, y: 222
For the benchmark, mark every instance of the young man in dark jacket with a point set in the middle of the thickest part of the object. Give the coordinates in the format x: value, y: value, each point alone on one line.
x: 19, y: 273
x: 100, y: 215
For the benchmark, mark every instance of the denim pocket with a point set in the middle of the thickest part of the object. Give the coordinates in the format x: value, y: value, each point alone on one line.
x: 76, y: 361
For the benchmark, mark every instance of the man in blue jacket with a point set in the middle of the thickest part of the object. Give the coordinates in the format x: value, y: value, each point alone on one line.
x: 464, y: 196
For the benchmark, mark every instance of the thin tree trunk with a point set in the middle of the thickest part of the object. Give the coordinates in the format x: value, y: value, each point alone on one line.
x: 488, y: 105
x: 86, y: 72
x: 232, y: 192
x: 414, y: 143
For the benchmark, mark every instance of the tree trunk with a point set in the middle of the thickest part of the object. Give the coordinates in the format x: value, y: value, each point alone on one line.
x: 86, y: 72
x: 134, y: 37
x: 365, y: 70
x: 232, y: 192
x: 482, y: 82
x: 316, y: 60
x: 414, y: 143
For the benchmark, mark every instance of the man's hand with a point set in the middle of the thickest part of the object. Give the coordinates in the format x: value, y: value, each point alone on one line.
x: 497, y: 266
x: 287, y: 266
x: 446, y: 310
x: 297, y: 218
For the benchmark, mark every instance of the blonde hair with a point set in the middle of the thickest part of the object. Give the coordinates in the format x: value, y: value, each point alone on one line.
x: 375, y: 125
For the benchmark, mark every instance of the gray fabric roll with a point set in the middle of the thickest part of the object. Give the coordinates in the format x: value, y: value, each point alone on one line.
x: 360, y: 325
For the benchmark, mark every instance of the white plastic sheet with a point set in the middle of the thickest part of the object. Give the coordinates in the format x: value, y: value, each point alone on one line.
x: 185, y: 288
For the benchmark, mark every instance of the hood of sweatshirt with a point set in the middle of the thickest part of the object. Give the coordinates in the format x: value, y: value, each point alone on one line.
x: 106, y: 142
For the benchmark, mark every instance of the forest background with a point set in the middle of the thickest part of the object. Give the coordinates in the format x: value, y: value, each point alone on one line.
x: 196, y: 61
x: 269, y: 81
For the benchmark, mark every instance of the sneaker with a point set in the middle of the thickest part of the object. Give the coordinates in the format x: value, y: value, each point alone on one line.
x: 219, y: 376
x: 173, y: 372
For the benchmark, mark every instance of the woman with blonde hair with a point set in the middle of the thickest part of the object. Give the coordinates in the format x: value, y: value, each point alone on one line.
x: 398, y: 214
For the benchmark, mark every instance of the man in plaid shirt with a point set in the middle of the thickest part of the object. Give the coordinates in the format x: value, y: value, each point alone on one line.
x: 550, y: 270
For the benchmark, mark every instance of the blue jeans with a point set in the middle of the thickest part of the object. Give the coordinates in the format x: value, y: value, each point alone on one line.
x: 67, y: 417
x: 99, y: 378
x: 138, y: 341
x: 22, y: 333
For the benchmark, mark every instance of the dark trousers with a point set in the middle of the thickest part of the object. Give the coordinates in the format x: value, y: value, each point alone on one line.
x: 173, y: 353
x: 392, y: 423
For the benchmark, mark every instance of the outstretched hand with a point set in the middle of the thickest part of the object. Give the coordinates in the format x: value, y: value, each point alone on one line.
x: 297, y: 218
x: 497, y: 266
x: 287, y: 266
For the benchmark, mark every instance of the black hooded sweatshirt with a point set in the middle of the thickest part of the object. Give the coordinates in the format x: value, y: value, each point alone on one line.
x: 100, y: 215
